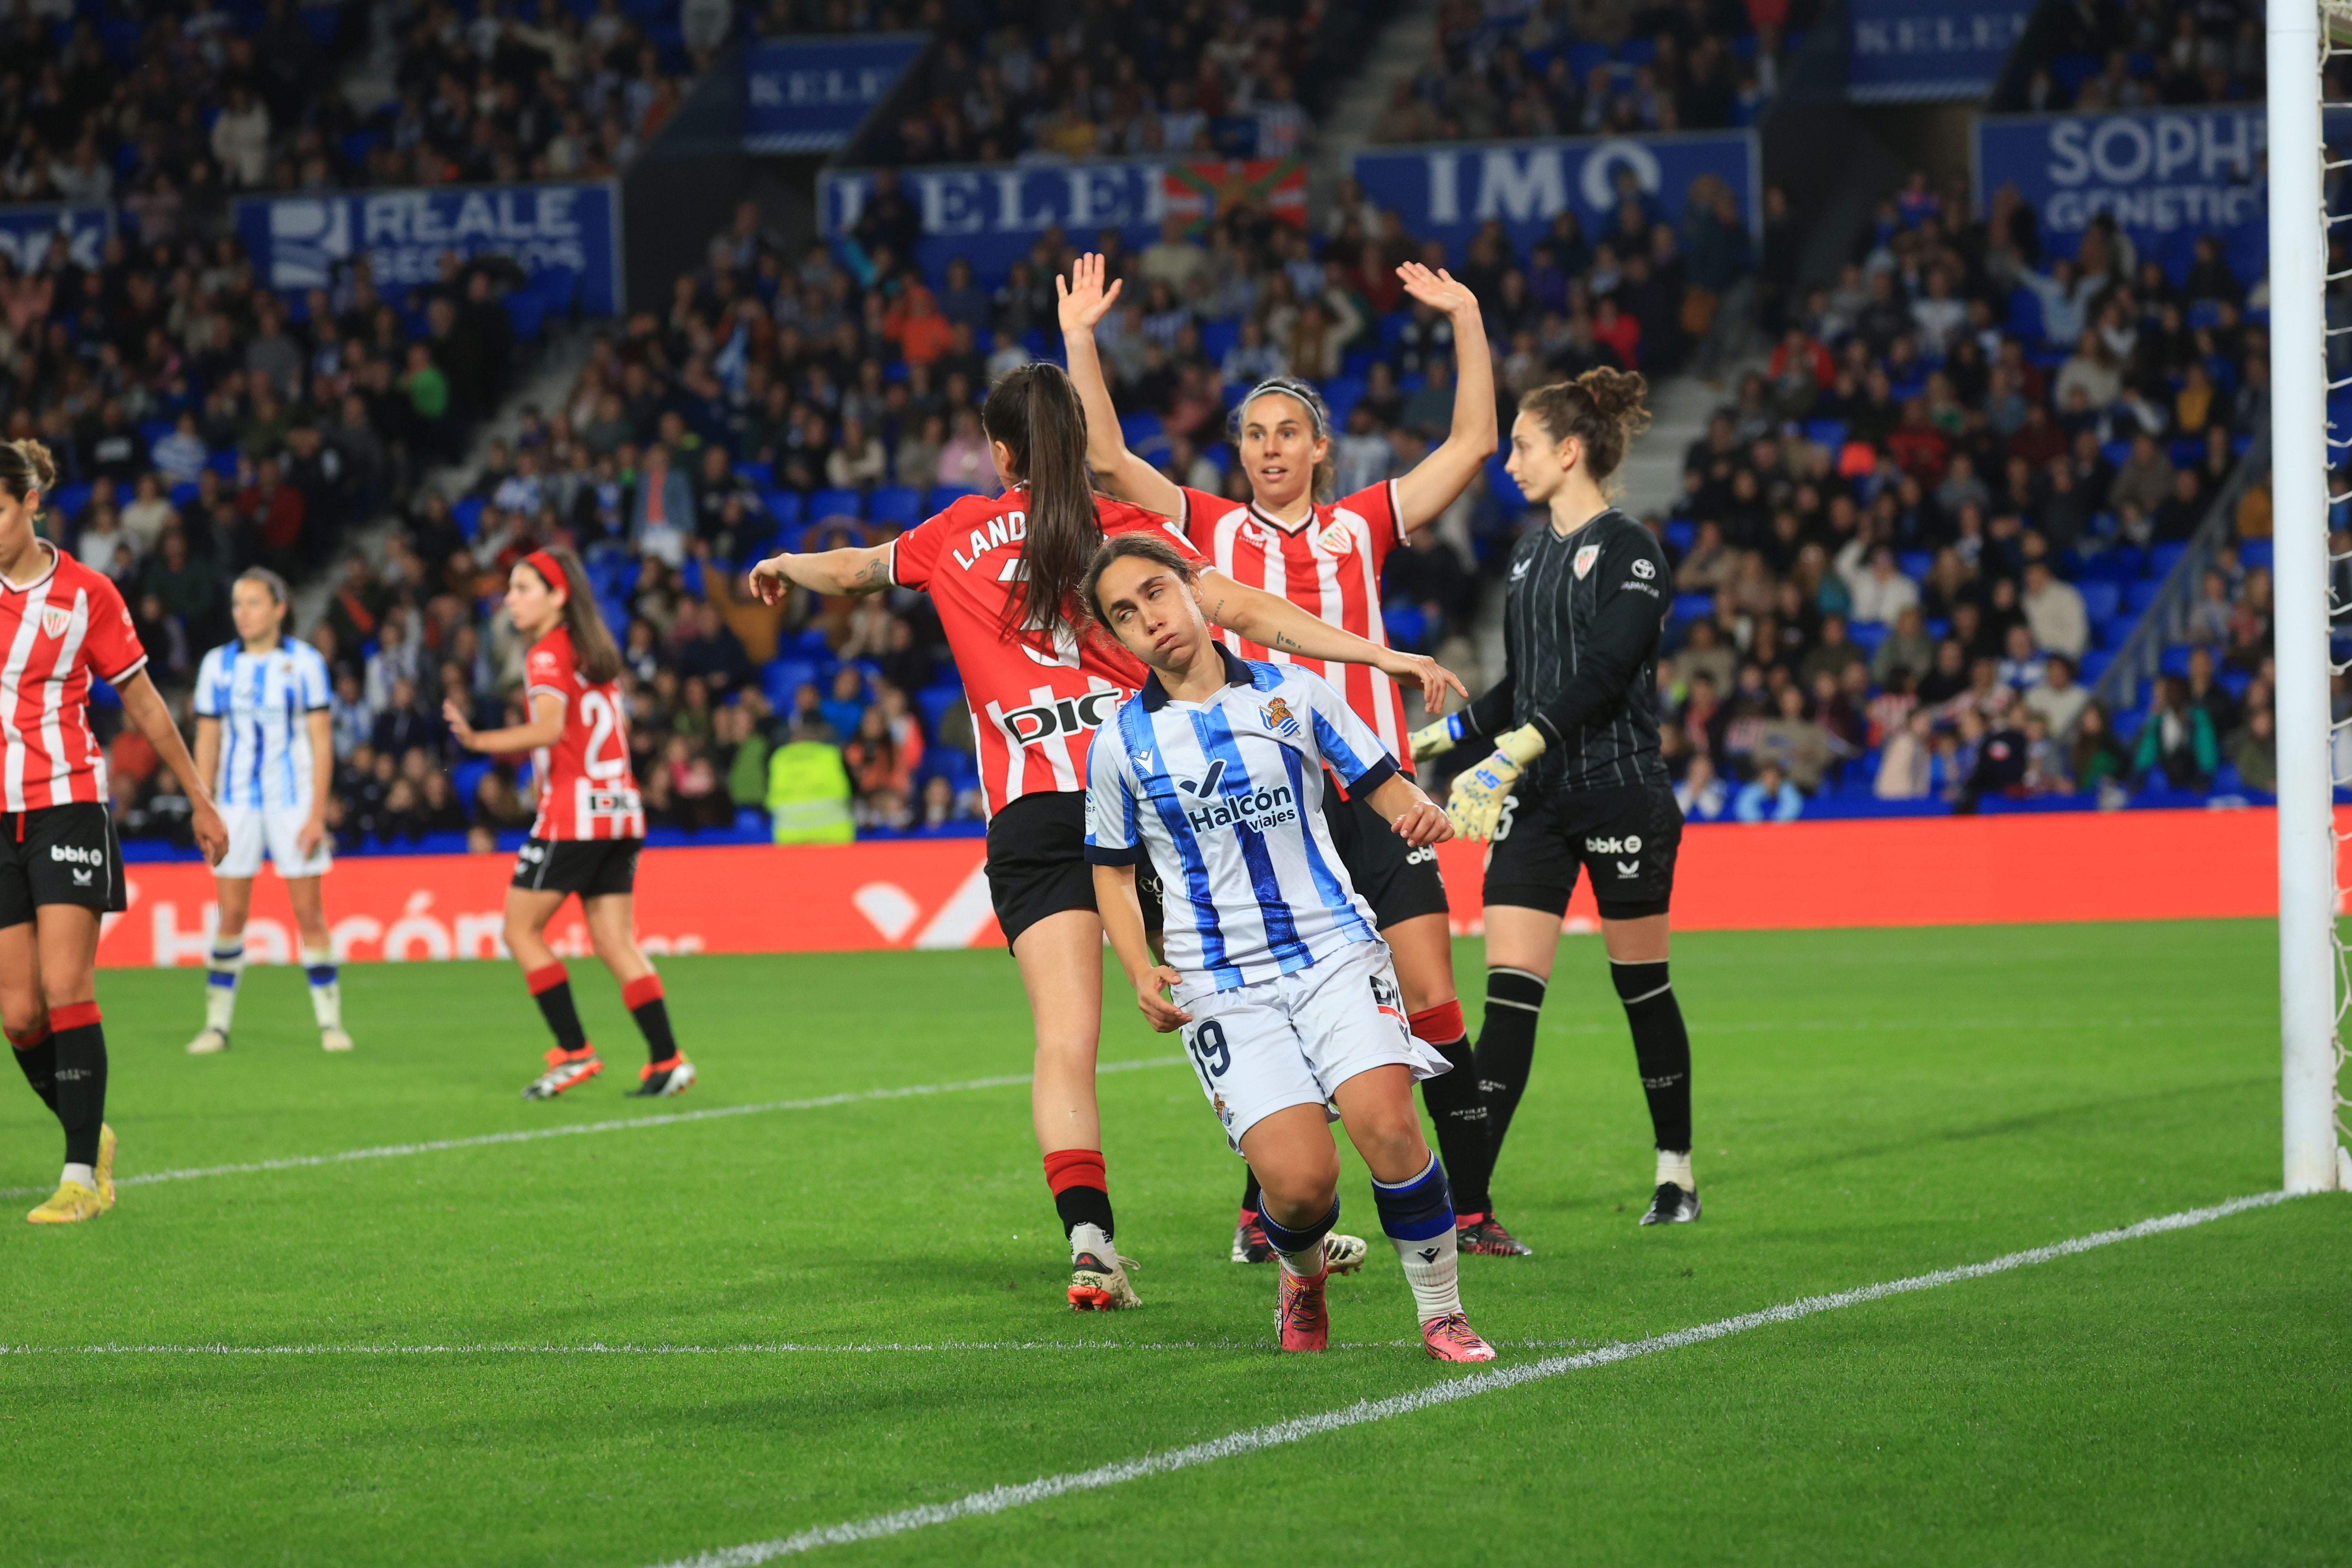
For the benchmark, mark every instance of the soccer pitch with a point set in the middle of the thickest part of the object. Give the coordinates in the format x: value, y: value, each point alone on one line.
x: 643, y: 1343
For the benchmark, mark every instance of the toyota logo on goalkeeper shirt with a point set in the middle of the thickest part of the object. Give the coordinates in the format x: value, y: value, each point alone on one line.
x: 1068, y: 716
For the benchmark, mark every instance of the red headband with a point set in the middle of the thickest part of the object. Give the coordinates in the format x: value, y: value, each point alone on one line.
x: 550, y: 570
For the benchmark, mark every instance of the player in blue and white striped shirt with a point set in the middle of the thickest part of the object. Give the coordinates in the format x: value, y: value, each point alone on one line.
x: 1282, y: 987
x: 263, y: 735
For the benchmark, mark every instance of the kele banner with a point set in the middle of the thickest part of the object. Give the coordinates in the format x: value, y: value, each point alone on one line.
x: 807, y: 95
x: 1930, y: 51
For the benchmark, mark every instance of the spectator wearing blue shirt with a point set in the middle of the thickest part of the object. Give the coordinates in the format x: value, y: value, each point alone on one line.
x: 1767, y: 797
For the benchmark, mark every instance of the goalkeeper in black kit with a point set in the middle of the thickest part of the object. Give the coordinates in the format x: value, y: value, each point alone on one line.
x: 1575, y: 779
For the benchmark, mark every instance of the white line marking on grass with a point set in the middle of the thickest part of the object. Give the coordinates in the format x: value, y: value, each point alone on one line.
x: 938, y: 1346
x: 999, y: 1500
x: 527, y: 1135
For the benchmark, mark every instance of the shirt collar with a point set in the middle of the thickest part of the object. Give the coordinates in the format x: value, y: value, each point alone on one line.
x: 1155, y: 696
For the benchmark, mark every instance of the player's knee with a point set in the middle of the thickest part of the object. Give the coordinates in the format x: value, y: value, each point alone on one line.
x: 25, y: 1019
x: 1299, y: 1183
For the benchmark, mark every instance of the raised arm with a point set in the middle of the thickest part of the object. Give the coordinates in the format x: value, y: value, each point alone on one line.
x: 862, y: 570
x: 1084, y: 302
x: 1446, y: 472
x: 1272, y: 621
x: 143, y: 705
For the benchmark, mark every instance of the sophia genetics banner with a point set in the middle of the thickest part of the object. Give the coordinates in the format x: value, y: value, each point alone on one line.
x: 1930, y: 51
x: 1448, y: 192
x: 26, y: 233
x: 2165, y: 175
x: 808, y: 95
x: 302, y: 242
x: 991, y: 215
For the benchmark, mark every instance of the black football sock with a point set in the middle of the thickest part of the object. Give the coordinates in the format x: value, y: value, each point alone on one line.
x: 1506, y: 1050
x: 1459, y: 1111
x: 1253, y: 1196
x: 643, y: 997
x: 38, y: 1059
x: 81, y: 1042
x: 551, y: 987
x: 1661, y: 1047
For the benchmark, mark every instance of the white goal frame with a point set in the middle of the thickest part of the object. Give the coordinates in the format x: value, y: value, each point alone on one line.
x: 2311, y: 974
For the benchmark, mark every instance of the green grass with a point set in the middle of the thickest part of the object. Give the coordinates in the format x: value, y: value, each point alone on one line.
x: 1870, y: 1105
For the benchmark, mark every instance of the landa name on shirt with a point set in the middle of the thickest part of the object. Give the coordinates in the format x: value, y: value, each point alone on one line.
x: 1005, y: 528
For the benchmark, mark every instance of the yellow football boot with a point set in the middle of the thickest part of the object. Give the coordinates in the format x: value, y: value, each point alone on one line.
x: 105, y: 1166
x: 70, y: 1205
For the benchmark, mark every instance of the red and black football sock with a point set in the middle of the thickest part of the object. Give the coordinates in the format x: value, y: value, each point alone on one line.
x: 643, y: 997
x: 36, y: 1057
x: 80, y: 1043
x: 1081, y: 1189
x: 551, y: 987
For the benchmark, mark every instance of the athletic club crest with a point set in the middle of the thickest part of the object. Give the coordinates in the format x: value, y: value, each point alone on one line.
x: 1277, y: 717
x: 1336, y: 538
x: 54, y: 619
x: 1584, y: 560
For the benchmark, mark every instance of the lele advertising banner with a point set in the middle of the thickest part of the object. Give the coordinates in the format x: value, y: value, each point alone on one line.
x: 2166, y: 175
x: 1448, y: 192
x: 26, y: 233
x: 299, y: 242
x: 1985, y: 871
x: 1930, y: 52
x: 991, y: 215
x: 808, y: 95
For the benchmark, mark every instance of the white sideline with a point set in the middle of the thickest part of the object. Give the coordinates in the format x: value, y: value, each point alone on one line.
x: 777, y: 1349
x: 999, y: 1500
x: 527, y: 1135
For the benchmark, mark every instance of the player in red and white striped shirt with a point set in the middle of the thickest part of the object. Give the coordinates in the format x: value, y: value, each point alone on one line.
x: 60, y: 864
x: 1004, y: 573
x: 591, y: 822
x: 1326, y: 557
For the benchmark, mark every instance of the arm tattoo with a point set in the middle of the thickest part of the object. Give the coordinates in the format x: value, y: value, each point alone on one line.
x: 872, y: 578
x: 1284, y: 639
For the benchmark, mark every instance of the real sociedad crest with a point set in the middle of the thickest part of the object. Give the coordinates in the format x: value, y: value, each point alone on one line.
x: 54, y: 619
x: 1584, y: 560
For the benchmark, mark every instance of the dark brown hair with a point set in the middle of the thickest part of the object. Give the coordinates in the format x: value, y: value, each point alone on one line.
x: 1145, y: 546
x: 1601, y: 408
x: 278, y: 591
x: 25, y: 467
x: 1036, y: 412
x: 592, y: 645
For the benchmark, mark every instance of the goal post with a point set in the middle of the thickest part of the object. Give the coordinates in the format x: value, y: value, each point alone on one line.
x: 2309, y: 970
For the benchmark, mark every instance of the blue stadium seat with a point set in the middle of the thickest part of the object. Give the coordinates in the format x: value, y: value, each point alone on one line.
x: 2138, y: 595
x: 1216, y: 337
x: 1138, y: 430
x: 2162, y: 558
x: 835, y: 503
x: 1680, y: 534
x: 152, y: 431
x: 2094, y: 664
x: 469, y: 513
x: 934, y: 702
x: 1341, y: 395
x: 467, y: 778
x: 2100, y: 600
x: 183, y: 496
x: 2115, y: 452
x: 761, y: 475
x: 1830, y: 433
x: 1914, y: 563
x: 1867, y: 635
x: 1407, y: 625
x: 784, y: 506
x: 780, y: 678
x: 2253, y: 552
x: 71, y: 498
x: 1694, y: 606
x: 946, y: 496
x: 899, y: 504
x: 2175, y: 660
x: 2114, y: 629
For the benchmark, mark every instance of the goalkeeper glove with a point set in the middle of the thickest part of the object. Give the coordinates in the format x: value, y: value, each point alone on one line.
x: 1476, y: 803
x: 1436, y: 739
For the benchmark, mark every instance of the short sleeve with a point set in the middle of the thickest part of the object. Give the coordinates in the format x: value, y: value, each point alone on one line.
x: 209, y: 692
x: 1377, y: 505
x: 110, y: 644
x: 1344, y: 740
x: 1200, y: 510
x: 548, y: 669
x: 1112, y: 837
x: 316, y: 696
x: 1124, y: 519
x: 915, y: 555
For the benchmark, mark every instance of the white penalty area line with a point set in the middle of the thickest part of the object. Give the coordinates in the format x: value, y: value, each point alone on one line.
x: 1001, y: 1500
x: 582, y: 1129
x: 911, y: 1348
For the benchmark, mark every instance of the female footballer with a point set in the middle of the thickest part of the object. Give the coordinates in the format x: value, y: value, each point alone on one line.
x: 1003, y: 572
x: 1326, y: 555
x: 590, y: 827
x: 60, y: 864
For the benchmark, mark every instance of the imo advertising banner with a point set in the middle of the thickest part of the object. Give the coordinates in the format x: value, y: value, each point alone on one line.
x: 1447, y: 192
x: 807, y: 95
x: 991, y: 215
x: 1930, y: 52
x: 299, y: 241
x: 2166, y: 175
x: 2074, y: 866
x: 27, y: 232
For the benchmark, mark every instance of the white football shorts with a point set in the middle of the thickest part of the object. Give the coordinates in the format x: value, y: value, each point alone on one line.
x: 253, y: 829
x: 1295, y: 1039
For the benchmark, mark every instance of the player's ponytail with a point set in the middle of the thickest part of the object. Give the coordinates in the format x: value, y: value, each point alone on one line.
x: 1601, y: 408
x: 1036, y: 412
x: 593, y: 650
x: 26, y: 467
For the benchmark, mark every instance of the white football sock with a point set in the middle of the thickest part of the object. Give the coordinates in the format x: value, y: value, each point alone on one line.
x: 1674, y: 1167
x: 1090, y: 1239
x: 326, y: 995
x: 1307, y: 1265
x: 82, y: 1174
x: 223, y: 967
x: 1433, y: 1269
